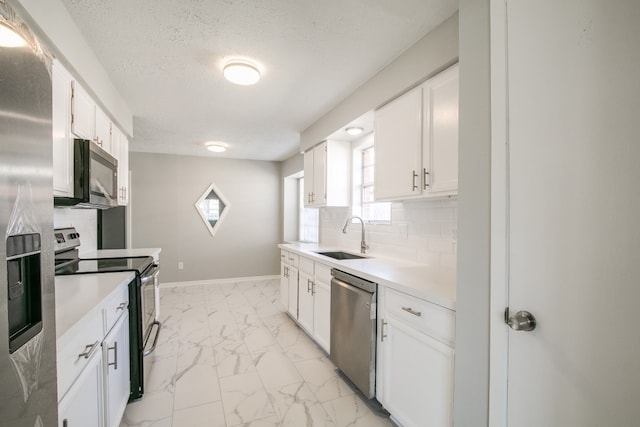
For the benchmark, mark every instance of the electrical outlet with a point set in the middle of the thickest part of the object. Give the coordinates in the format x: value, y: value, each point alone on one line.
x: 180, y: 265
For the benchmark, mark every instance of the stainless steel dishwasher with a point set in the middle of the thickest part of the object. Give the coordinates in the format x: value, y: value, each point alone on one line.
x: 353, y: 329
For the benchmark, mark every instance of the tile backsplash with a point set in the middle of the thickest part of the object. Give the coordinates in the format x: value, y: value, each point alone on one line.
x: 86, y: 223
x: 423, y: 231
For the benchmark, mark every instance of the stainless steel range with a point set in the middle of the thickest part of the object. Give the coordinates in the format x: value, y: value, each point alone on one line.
x: 142, y: 298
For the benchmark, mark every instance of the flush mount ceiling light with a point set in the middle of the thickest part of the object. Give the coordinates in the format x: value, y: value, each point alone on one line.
x: 9, y: 38
x: 216, y: 147
x: 241, y: 72
x: 354, y: 131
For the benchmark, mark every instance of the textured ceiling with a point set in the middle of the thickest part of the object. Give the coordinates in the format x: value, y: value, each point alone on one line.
x: 165, y: 57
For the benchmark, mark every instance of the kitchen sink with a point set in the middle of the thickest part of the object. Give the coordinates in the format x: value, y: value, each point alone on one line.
x: 341, y: 255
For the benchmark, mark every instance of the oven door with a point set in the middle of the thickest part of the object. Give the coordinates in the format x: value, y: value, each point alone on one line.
x: 148, y: 308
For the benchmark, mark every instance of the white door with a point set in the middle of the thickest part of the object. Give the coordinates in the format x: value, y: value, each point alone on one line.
x: 573, y: 223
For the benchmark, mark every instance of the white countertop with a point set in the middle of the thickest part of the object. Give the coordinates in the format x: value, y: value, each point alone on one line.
x: 436, y: 284
x: 113, y: 253
x: 78, y: 294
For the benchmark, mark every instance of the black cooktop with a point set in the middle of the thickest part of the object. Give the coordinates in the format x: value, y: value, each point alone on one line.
x: 105, y: 265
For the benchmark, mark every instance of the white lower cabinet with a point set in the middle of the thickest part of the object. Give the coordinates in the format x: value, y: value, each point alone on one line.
x: 305, y: 293
x: 322, y: 314
x: 305, y: 301
x: 115, y: 350
x: 311, y: 305
x: 83, y: 404
x: 415, y: 360
x: 284, y: 286
x: 93, y: 365
x: 292, y: 290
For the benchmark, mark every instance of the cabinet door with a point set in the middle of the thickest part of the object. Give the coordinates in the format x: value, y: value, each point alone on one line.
x: 103, y: 131
x: 305, y: 302
x: 284, y: 286
x: 293, y: 292
x: 115, y: 348
x: 320, y: 174
x: 83, y: 404
x: 120, y: 150
x: 61, y: 125
x: 308, y: 177
x: 83, y: 113
x: 417, y: 377
x: 322, y: 314
x: 398, y: 144
x: 440, y: 152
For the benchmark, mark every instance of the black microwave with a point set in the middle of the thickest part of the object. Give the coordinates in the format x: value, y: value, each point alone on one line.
x: 95, y: 178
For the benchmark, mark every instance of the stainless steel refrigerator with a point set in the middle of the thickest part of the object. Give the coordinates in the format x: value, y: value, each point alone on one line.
x: 28, y: 391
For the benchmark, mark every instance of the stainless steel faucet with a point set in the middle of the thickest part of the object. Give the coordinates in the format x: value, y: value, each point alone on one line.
x: 363, y: 244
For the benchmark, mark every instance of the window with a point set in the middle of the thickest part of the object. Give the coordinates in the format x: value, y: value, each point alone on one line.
x: 308, y: 218
x: 363, y: 191
x: 212, y: 208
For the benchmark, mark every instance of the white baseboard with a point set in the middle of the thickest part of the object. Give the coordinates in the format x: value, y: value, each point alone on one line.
x: 219, y: 281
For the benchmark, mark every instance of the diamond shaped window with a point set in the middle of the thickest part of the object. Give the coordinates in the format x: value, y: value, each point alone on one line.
x: 212, y: 208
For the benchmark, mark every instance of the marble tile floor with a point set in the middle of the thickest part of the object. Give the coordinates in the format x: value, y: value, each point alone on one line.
x: 227, y: 356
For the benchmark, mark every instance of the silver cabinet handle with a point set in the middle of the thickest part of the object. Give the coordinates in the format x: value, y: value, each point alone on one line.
x: 309, y: 283
x: 382, y: 334
x: 414, y: 177
x: 313, y: 288
x: 412, y: 311
x: 88, y: 350
x: 121, y: 306
x: 115, y: 355
x: 426, y: 178
x: 65, y: 423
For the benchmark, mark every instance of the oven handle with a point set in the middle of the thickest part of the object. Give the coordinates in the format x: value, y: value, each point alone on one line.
x: 156, y: 270
x: 155, y: 339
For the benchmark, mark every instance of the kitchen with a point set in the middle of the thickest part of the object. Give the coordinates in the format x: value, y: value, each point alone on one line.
x: 468, y: 229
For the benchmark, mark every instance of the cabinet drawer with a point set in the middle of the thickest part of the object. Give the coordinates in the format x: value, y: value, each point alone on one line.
x: 323, y: 273
x: 293, y: 259
x: 428, y: 318
x: 76, y: 348
x: 284, y: 256
x: 114, y: 307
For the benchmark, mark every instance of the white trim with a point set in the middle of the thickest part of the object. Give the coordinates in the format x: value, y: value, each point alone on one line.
x: 499, y: 273
x: 219, y: 281
x: 224, y: 213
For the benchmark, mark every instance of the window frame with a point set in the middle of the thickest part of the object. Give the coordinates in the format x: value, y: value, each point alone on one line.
x: 358, y: 175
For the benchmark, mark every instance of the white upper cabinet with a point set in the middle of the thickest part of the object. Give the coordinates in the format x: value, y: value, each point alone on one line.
x: 76, y: 115
x: 326, y: 174
x: 120, y: 150
x: 416, y: 140
x: 83, y: 113
x: 398, y: 144
x: 103, y: 131
x: 62, y: 140
x: 88, y: 120
x: 440, y: 127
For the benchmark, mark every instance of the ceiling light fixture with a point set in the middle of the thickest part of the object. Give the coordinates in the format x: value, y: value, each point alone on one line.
x: 354, y: 131
x: 216, y: 148
x: 9, y: 38
x: 241, y: 72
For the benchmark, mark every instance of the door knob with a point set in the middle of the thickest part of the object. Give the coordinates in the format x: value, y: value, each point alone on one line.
x: 522, y: 321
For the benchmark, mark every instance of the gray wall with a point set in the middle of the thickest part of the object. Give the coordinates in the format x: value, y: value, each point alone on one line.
x: 471, y: 398
x: 164, y: 190
x: 289, y: 200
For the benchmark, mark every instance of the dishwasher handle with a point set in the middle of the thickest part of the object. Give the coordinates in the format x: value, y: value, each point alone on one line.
x: 358, y: 282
